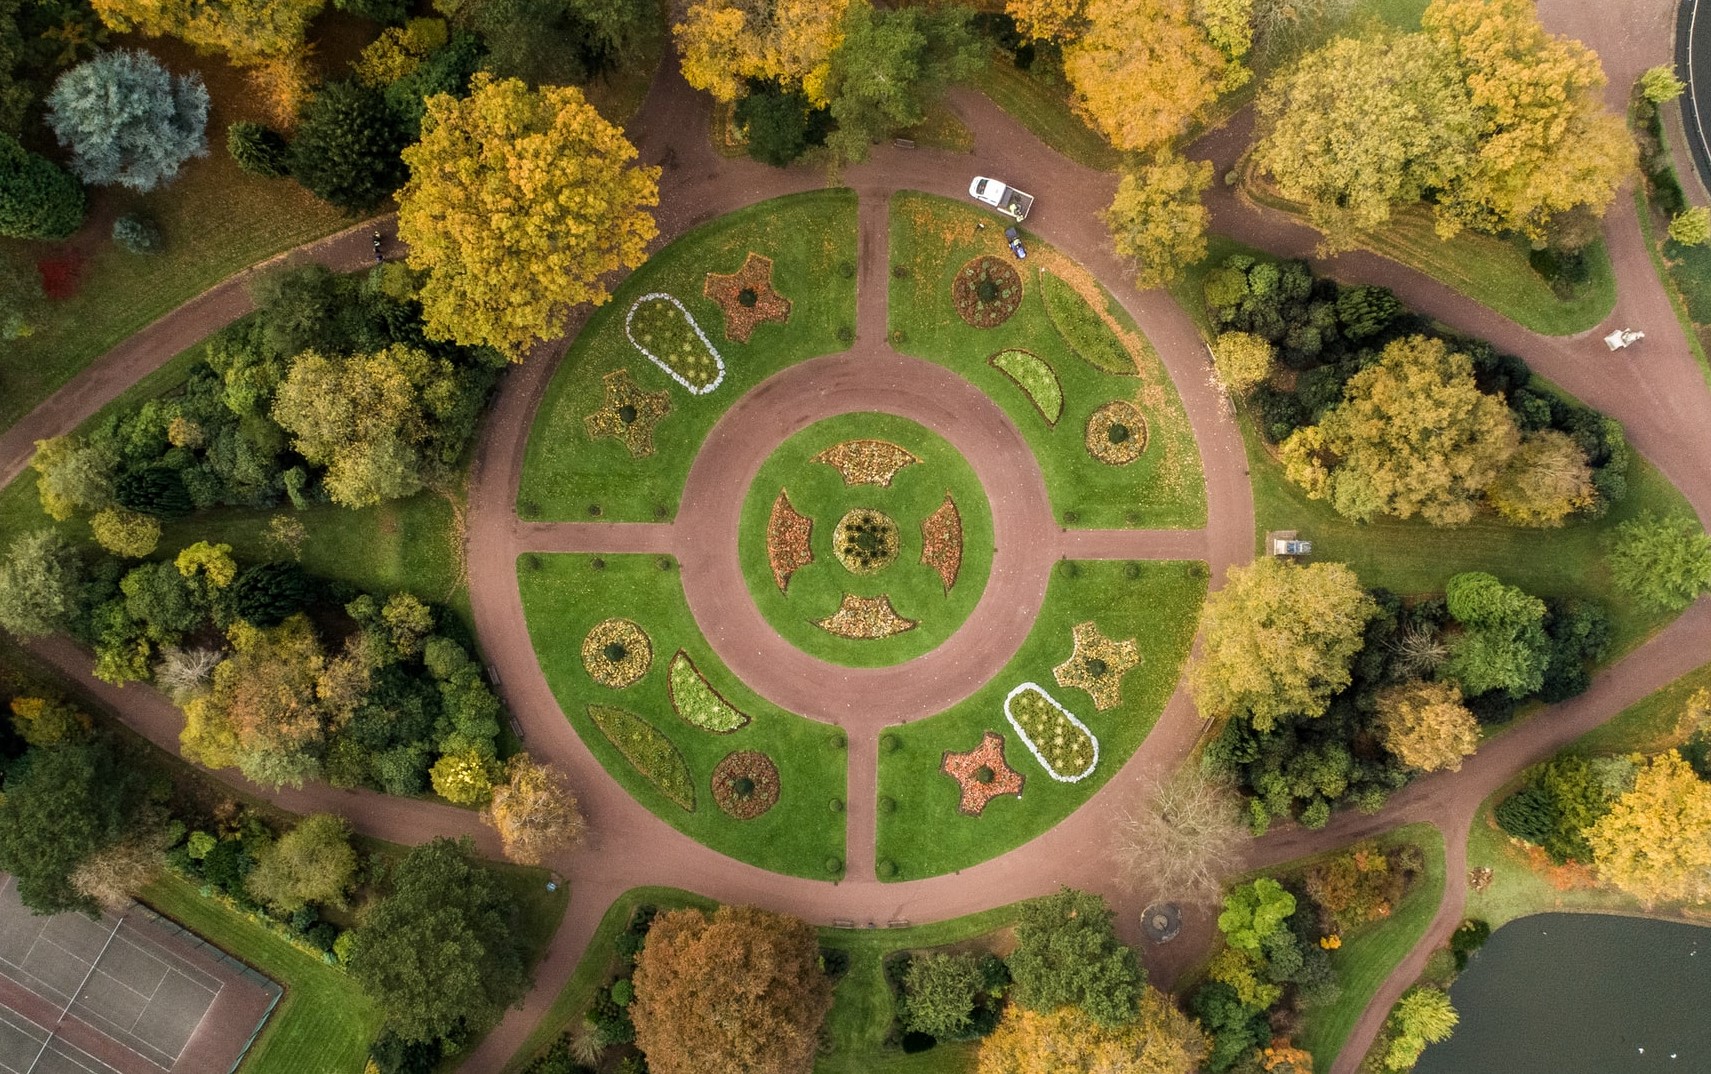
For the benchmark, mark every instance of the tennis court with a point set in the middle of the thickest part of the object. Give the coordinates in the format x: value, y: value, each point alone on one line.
x: 26, y: 1048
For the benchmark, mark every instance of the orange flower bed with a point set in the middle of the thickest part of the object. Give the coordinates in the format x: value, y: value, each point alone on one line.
x: 865, y: 618
x: 941, y: 541
x: 787, y: 533
x: 747, y: 297
x: 982, y: 774
x: 866, y: 462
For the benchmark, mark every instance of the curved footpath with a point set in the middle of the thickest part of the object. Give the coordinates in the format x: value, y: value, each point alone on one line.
x: 1655, y: 389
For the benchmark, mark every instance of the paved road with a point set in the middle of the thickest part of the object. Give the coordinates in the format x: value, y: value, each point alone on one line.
x: 1655, y: 389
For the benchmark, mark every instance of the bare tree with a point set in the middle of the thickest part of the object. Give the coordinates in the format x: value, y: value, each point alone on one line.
x: 112, y: 877
x: 1419, y: 650
x: 184, y: 672
x: 1184, y: 843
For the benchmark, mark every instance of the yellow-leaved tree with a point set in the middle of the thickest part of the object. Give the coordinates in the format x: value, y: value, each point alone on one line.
x: 725, y: 42
x: 534, y: 811
x: 519, y: 203
x: 1159, y: 1040
x: 1157, y: 217
x: 1049, y: 20
x: 1655, y: 843
x: 248, y: 32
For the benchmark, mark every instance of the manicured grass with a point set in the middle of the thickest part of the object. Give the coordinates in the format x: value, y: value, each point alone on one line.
x: 564, y: 596
x: 812, y: 241
x: 1369, y: 954
x: 916, y: 590
x: 1156, y: 603
x: 1043, y: 107
x: 1412, y: 557
x: 324, y: 1022
x: 931, y: 238
x: 1685, y: 273
x: 1493, y: 272
x: 1649, y: 724
x: 941, y: 129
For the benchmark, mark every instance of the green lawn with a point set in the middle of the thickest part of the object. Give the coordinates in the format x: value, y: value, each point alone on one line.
x: 323, y: 1023
x: 811, y: 239
x: 1685, y: 273
x: 931, y: 238
x: 1044, y: 108
x: 1158, y: 604
x: 564, y: 596
x: 1414, y: 557
x: 915, y: 589
x: 1370, y: 953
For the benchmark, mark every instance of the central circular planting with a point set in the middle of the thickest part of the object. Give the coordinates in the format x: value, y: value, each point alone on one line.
x: 866, y: 540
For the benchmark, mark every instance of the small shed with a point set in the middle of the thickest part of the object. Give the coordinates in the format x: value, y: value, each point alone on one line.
x: 1287, y: 543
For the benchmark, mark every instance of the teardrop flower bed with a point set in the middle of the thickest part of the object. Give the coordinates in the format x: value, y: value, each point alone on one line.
x: 616, y: 653
x: 745, y: 784
x: 1037, y: 379
x: 1063, y: 745
x: 787, y: 534
x: 1117, y: 433
x: 663, y: 329
x: 697, y: 703
x: 986, y: 292
x: 649, y: 752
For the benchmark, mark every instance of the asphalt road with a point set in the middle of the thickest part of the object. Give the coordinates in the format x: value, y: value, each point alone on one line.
x: 1693, y: 62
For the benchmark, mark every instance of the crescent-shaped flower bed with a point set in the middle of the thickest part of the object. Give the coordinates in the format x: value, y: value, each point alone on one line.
x: 1036, y: 378
x: 747, y: 297
x: 867, y: 462
x: 616, y: 653
x: 986, y: 291
x: 1098, y: 665
x: 1062, y: 744
x: 745, y: 784
x: 1117, y: 433
x: 694, y: 699
x: 787, y: 534
x: 628, y: 414
x: 941, y: 541
x: 982, y: 773
x: 665, y: 332
x: 649, y: 752
x: 865, y: 618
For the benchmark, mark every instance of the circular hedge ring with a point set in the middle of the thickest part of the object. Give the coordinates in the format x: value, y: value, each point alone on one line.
x: 1117, y: 433
x: 986, y: 292
x: 745, y: 784
x: 616, y: 653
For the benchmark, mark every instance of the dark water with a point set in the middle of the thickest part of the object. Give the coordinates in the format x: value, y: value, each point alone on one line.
x: 1583, y: 994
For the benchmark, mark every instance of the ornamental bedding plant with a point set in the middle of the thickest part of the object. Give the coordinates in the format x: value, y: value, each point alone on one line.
x: 697, y: 703
x: 787, y: 535
x: 1063, y: 745
x: 941, y: 541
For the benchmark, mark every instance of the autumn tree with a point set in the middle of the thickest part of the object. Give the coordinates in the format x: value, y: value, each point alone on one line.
x: 534, y: 811
x: 1049, y: 20
x: 891, y: 67
x: 124, y: 532
x: 1655, y: 842
x: 1547, y: 146
x: 1413, y: 435
x: 1184, y: 842
x: 1068, y: 954
x: 1691, y: 226
x: 1422, y: 1016
x: 72, y: 476
x: 1157, y: 1039
x: 518, y: 204
x: 1145, y: 70
x: 1243, y: 361
x: 724, y: 43
x: 1664, y: 562
x: 1157, y: 219
x: 1278, y: 639
x: 1426, y: 725
x: 1544, y: 482
x: 43, y: 721
x: 262, y: 712
x: 739, y: 989
x: 114, y: 875
x: 313, y: 862
x: 1503, y: 645
x: 248, y: 32
x: 41, y: 583
x: 1659, y: 84
x: 1363, y: 126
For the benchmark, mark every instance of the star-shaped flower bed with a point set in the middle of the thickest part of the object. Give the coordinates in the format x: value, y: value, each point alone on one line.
x: 628, y: 415
x: 1098, y: 665
x: 747, y: 297
x: 982, y: 774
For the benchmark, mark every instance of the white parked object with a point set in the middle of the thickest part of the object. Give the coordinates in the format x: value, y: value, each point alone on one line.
x: 1622, y: 337
x: 1006, y: 199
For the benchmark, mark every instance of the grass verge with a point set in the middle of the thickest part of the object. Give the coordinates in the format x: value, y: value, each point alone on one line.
x: 564, y: 596
x: 1156, y: 603
x: 811, y: 239
x: 1043, y: 107
x: 931, y: 238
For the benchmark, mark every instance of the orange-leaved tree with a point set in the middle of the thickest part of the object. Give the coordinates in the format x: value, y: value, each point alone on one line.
x: 726, y: 42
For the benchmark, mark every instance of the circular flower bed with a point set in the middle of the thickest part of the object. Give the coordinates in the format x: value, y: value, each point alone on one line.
x: 986, y: 292
x: 616, y: 653
x: 1117, y: 433
x: 865, y: 541
x: 745, y: 784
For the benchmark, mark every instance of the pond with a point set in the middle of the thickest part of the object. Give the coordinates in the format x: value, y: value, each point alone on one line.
x: 1583, y: 994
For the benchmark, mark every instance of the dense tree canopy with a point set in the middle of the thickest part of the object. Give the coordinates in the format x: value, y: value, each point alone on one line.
x: 1278, y: 639
x: 1413, y: 435
x: 41, y: 583
x: 941, y: 991
x: 1243, y: 360
x: 739, y: 989
x: 1663, y: 562
x: 726, y: 42
x: 1655, y: 842
x: 313, y: 862
x: 126, y: 120
x: 891, y: 67
x: 1503, y: 645
x: 518, y: 204
x: 534, y: 812
x: 1158, y: 1039
x: 38, y: 199
x: 1544, y: 482
x: 1157, y: 219
x: 1068, y: 954
x: 1426, y: 725
x: 246, y: 31
x: 347, y: 147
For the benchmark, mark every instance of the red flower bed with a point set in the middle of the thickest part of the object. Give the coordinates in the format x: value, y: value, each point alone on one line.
x: 787, y: 534
x: 982, y: 774
x: 941, y: 541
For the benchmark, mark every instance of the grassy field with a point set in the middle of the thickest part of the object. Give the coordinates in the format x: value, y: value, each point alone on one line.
x: 323, y: 1023
x: 1370, y: 953
x: 1685, y: 273
x: 1044, y: 108
x: 1157, y: 604
x: 564, y: 596
x: 931, y: 238
x: 916, y: 590
x: 812, y: 242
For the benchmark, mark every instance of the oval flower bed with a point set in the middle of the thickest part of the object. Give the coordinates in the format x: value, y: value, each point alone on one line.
x: 616, y: 653
x: 745, y: 784
x: 986, y: 292
x: 666, y: 333
x: 649, y: 752
x: 694, y: 699
x: 1062, y: 744
x: 1117, y: 433
x: 1036, y: 378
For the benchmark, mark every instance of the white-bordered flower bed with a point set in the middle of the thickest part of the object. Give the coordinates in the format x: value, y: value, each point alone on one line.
x: 1050, y: 730
x: 697, y: 379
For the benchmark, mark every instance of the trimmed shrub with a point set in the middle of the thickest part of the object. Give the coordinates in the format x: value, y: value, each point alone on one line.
x: 138, y: 234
